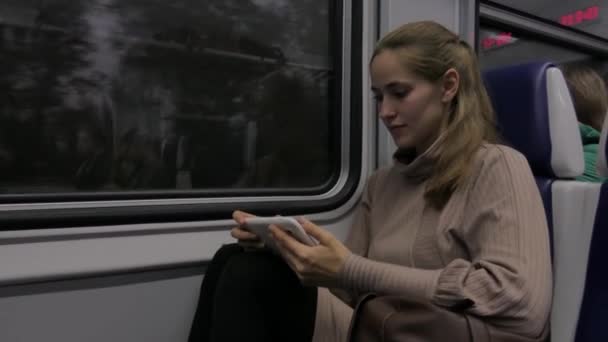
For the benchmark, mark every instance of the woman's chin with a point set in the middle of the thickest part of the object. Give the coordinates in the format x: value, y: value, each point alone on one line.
x: 403, y: 143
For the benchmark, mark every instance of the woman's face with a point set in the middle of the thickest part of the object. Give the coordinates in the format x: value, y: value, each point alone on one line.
x: 85, y: 143
x: 411, y: 107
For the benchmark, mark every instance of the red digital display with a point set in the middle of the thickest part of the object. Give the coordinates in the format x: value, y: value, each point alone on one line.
x: 580, y: 16
x: 497, y: 40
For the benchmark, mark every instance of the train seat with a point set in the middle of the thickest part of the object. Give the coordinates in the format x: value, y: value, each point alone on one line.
x: 536, y: 116
x: 594, y: 309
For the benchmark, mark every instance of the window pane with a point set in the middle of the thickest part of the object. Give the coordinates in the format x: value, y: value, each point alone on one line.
x: 584, y: 15
x: 500, y: 48
x: 108, y: 95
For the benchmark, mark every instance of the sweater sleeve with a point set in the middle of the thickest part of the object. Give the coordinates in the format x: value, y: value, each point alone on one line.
x: 357, y: 240
x: 508, y: 275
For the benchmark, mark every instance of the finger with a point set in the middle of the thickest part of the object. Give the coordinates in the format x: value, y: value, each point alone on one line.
x: 287, y: 241
x: 240, y: 216
x: 322, y: 235
x: 241, y: 234
x: 291, y: 260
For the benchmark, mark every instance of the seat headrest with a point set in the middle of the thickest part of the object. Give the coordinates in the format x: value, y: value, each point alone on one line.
x: 602, y: 154
x: 536, y: 116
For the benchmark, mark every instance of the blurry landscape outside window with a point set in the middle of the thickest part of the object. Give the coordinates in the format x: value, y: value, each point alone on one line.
x: 117, y: 95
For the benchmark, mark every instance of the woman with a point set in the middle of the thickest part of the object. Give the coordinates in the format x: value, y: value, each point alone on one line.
x: 452, y: 238
x: 590, y: 99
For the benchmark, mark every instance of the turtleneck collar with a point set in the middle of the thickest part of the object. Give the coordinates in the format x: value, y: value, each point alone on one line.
x: 418, y: 168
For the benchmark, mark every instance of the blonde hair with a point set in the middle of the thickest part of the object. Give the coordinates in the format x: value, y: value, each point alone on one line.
x: 588, y: 92
x: 429, y: 50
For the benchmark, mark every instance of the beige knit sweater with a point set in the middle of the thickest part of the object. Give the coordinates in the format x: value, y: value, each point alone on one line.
x: 486, y: 250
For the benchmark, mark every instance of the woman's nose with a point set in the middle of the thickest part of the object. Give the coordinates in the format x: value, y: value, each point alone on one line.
x: 385, y: 110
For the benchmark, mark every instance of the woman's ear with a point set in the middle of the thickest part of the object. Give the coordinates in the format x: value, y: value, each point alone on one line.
x: 450, y: 85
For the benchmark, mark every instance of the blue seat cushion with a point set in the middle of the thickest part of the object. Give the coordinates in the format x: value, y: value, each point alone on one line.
x: 544, y: 186
x: 519, y: 96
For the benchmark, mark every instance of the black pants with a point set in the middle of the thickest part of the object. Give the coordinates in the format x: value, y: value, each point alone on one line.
x: 252, y: 296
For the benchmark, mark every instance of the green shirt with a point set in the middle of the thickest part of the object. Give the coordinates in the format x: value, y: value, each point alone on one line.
x: 591, y: 140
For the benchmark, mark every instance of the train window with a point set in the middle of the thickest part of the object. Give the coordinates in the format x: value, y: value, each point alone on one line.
x: 115, y: 96
x: 584, y: 15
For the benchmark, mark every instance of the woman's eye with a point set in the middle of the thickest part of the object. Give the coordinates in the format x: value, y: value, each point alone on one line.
x: 378, y: 98
x: 400, y: 94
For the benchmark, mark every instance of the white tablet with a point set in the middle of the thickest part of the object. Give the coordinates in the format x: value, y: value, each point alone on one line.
x: 260, y: 227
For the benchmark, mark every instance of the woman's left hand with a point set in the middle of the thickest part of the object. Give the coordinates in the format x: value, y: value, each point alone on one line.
x: 315, y: 265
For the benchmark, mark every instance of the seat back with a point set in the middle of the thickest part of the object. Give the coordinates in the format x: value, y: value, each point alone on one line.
x: 536, y: 116
x: 594, y: 309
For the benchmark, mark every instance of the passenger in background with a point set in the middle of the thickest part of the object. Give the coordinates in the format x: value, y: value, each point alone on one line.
x: 449, y: 244
x: 590, y: 99
x: 6, y: 150
x: 96, y: 166
x: 22, y: 129
x: 138, y: 164
x: 168, y: 151
x: 295, y: 135
x: 61, y: 155
x: 6, y: 159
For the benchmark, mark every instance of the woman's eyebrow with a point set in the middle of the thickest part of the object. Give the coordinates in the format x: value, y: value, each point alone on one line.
x: 392, y: 85
x: 396, y: 84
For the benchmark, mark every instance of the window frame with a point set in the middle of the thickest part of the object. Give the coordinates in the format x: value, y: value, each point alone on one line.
x: 46, y: 211
x: 538, y: 18
x: 529, y: 26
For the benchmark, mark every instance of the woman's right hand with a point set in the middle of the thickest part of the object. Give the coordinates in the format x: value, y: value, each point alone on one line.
x: 245, y: 238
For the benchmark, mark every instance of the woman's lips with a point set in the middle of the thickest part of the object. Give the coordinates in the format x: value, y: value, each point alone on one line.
x: 396, y: 128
